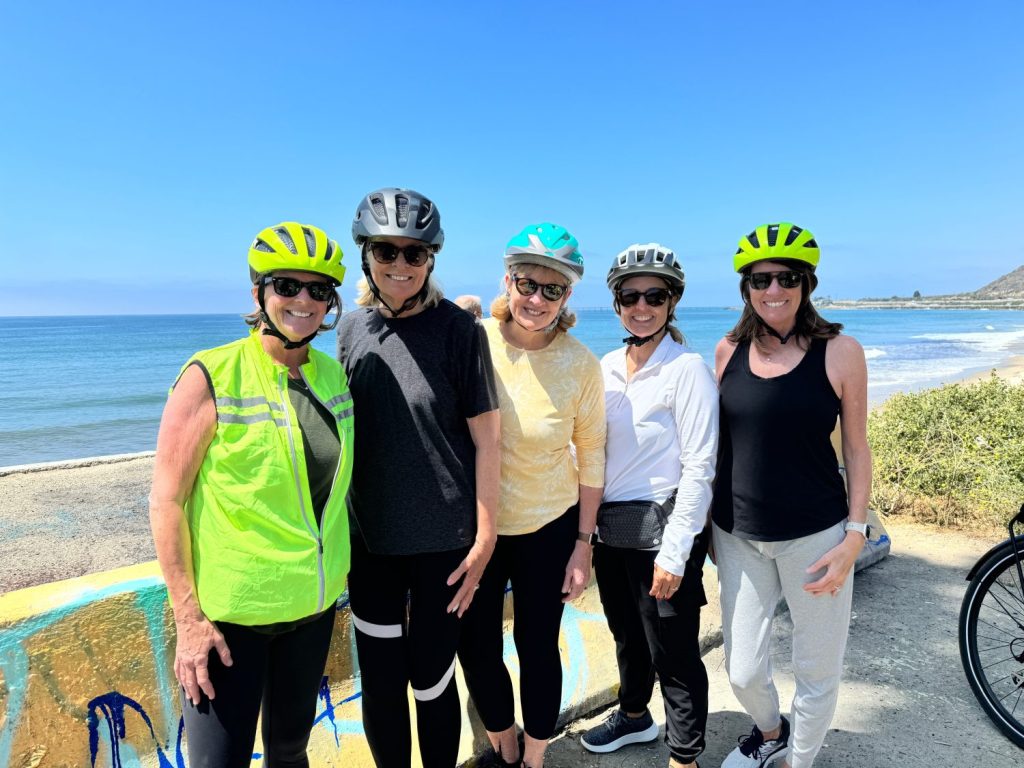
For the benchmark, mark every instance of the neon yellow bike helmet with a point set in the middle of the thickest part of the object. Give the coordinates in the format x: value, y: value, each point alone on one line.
x: 772, y: 242
x: 290, y: 245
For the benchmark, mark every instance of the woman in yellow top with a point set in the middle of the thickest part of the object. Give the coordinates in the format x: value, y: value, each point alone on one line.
x: 253, y: 463
x: 551, y: 399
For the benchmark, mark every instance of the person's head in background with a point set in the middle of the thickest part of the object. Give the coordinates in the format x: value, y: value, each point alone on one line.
x: 471, y: 304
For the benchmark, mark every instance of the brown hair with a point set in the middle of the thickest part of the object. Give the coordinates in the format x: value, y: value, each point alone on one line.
x: 809, y: 324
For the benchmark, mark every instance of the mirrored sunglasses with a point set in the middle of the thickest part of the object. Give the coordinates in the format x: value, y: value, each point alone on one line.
x: 528, y: 287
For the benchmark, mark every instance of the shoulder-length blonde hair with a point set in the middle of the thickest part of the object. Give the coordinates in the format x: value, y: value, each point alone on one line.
x: 500, y: 309
x: 365, y: 297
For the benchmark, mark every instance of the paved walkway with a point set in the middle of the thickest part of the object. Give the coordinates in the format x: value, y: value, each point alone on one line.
x: 905, y: 702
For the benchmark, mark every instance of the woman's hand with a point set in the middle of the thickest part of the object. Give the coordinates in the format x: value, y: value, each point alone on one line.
x: 470, y: 570
x: 196, y: 638
x: 665, y: 584
x: 837, y: 562
x: 577, y: 572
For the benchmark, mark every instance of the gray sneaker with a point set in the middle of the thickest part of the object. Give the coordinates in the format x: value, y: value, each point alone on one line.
x: 618, y: 730
x: 755, y: 751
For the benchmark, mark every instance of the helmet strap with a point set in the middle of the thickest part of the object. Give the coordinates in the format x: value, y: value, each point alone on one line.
x: 408, y: 304
x: 772, y: 332
x: 638, y: 341
x: 269, y: 329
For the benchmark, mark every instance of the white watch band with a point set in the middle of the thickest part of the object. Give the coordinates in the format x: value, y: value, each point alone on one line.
x: 861, y: 528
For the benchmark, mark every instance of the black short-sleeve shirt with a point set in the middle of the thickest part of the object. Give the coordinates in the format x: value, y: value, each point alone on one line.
x: 414, y: 382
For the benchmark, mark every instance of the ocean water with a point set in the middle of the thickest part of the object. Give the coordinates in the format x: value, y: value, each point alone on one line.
x: 75, y: 387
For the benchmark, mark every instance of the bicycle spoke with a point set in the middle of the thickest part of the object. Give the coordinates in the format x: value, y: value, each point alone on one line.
x: 1009, y: 632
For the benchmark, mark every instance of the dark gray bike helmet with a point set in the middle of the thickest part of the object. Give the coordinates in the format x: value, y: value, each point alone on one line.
x: 647, y: 259
x: 394, y: 212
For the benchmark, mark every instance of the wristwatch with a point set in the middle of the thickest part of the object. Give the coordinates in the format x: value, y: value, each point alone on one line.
x: 862, y: 528
x: 589, y: 538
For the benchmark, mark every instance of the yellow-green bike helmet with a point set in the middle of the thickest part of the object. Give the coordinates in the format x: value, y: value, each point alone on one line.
x: 290, y: 245
x: 774, y: 242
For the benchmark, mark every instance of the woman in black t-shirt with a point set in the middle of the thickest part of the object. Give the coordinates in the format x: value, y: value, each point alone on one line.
x: 425, y: 481
x: 783, y: 526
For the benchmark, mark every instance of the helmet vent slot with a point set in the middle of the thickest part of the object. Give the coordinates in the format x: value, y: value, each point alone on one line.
x: 380, y: 211
x: 286, y: 238
x: 793, y: 233
x: 773, y: 235
x: 329, y: 253
x: 752, y: 238
x: 426, y: 213
x: 310, y: 242
x: 261, y: 245
x: 402, y: 210
x: 810, y: 244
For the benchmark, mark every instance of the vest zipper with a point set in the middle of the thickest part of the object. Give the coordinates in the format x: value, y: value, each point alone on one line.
x: 334, y: 480
x: 283, y: 385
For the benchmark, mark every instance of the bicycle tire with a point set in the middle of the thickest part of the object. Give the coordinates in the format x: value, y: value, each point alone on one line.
x: 994, y: 660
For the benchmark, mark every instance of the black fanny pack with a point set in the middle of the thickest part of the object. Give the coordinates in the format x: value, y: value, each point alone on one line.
x: 634, y: 524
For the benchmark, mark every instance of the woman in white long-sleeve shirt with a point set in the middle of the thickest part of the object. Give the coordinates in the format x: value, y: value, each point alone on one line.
x: 662, y: 409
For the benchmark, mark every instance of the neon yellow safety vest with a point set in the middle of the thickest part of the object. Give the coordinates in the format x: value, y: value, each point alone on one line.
x: 258, y: 554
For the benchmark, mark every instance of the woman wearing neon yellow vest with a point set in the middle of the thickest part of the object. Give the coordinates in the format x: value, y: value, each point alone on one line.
x: 253, y: 464
x: 551, y: 399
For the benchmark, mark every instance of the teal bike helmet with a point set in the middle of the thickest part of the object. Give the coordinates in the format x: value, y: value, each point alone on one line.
x: 546, y: 245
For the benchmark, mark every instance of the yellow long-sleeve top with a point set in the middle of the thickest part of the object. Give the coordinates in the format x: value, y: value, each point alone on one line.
x: 552, y: 428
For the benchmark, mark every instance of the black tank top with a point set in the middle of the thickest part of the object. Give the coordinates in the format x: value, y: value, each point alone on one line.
x: 778, y: 476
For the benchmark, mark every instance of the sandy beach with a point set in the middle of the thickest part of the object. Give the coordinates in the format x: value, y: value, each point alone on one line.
x: 72, y: 518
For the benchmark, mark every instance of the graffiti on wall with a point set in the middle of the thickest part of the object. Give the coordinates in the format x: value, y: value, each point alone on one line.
x: 86, y: 676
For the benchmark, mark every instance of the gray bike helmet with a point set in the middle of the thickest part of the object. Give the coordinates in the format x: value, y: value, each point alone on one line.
x: 647, y: 259
x: 394, y: 212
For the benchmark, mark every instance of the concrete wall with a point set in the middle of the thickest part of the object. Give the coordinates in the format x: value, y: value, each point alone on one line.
x: 86, y: 673
x: 86, y: 676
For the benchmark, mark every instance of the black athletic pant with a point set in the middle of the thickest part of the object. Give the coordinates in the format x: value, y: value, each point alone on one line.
x: 405, y: 636
x: 658, y: 636
x: 535, y: 565
x: 278, y: 672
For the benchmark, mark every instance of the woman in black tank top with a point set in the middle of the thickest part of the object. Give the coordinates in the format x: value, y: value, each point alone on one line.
x: 783, y: 523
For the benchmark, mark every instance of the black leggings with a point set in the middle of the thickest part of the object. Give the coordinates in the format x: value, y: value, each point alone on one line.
x: 658, y: 636
x: 405, y: 636
x: 280, y: 673
x: 535, y: 565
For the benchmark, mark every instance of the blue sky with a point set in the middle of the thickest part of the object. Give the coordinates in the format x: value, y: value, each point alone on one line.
x: 144, y: 144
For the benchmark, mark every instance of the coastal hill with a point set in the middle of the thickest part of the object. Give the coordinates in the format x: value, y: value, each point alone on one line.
x: 1007, y: 292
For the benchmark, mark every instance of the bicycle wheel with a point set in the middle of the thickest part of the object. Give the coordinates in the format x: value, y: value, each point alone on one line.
x: 992, y: 639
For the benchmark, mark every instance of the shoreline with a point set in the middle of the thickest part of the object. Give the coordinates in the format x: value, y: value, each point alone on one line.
x: 70, y: 518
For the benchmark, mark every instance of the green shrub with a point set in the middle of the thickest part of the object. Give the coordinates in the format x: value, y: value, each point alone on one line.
x: 952, y: 455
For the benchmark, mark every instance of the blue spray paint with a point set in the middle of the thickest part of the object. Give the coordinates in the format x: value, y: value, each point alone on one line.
x: 14, y: 660
x: 112, y: 706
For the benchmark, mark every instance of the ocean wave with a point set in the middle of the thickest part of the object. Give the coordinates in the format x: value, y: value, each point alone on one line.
x: 988, y: 341
x: 872, y: 352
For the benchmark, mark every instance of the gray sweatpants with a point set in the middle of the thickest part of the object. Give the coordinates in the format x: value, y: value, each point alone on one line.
x: 752, y: 576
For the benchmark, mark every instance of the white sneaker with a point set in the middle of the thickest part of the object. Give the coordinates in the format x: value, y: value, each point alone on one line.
x: 755, y: 751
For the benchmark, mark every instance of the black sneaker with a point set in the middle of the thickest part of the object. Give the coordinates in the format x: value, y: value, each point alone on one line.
x: 618, y: 730
x: 755, y: 751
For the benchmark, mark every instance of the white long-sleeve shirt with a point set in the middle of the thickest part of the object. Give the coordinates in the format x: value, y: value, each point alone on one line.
x: 663, y: 436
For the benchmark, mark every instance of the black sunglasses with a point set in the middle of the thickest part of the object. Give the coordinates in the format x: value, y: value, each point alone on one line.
x: 287, y: 287
x: 789, y: 278
x: 654, y: 297
x: 387, y: 253
x: 528, y: 287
